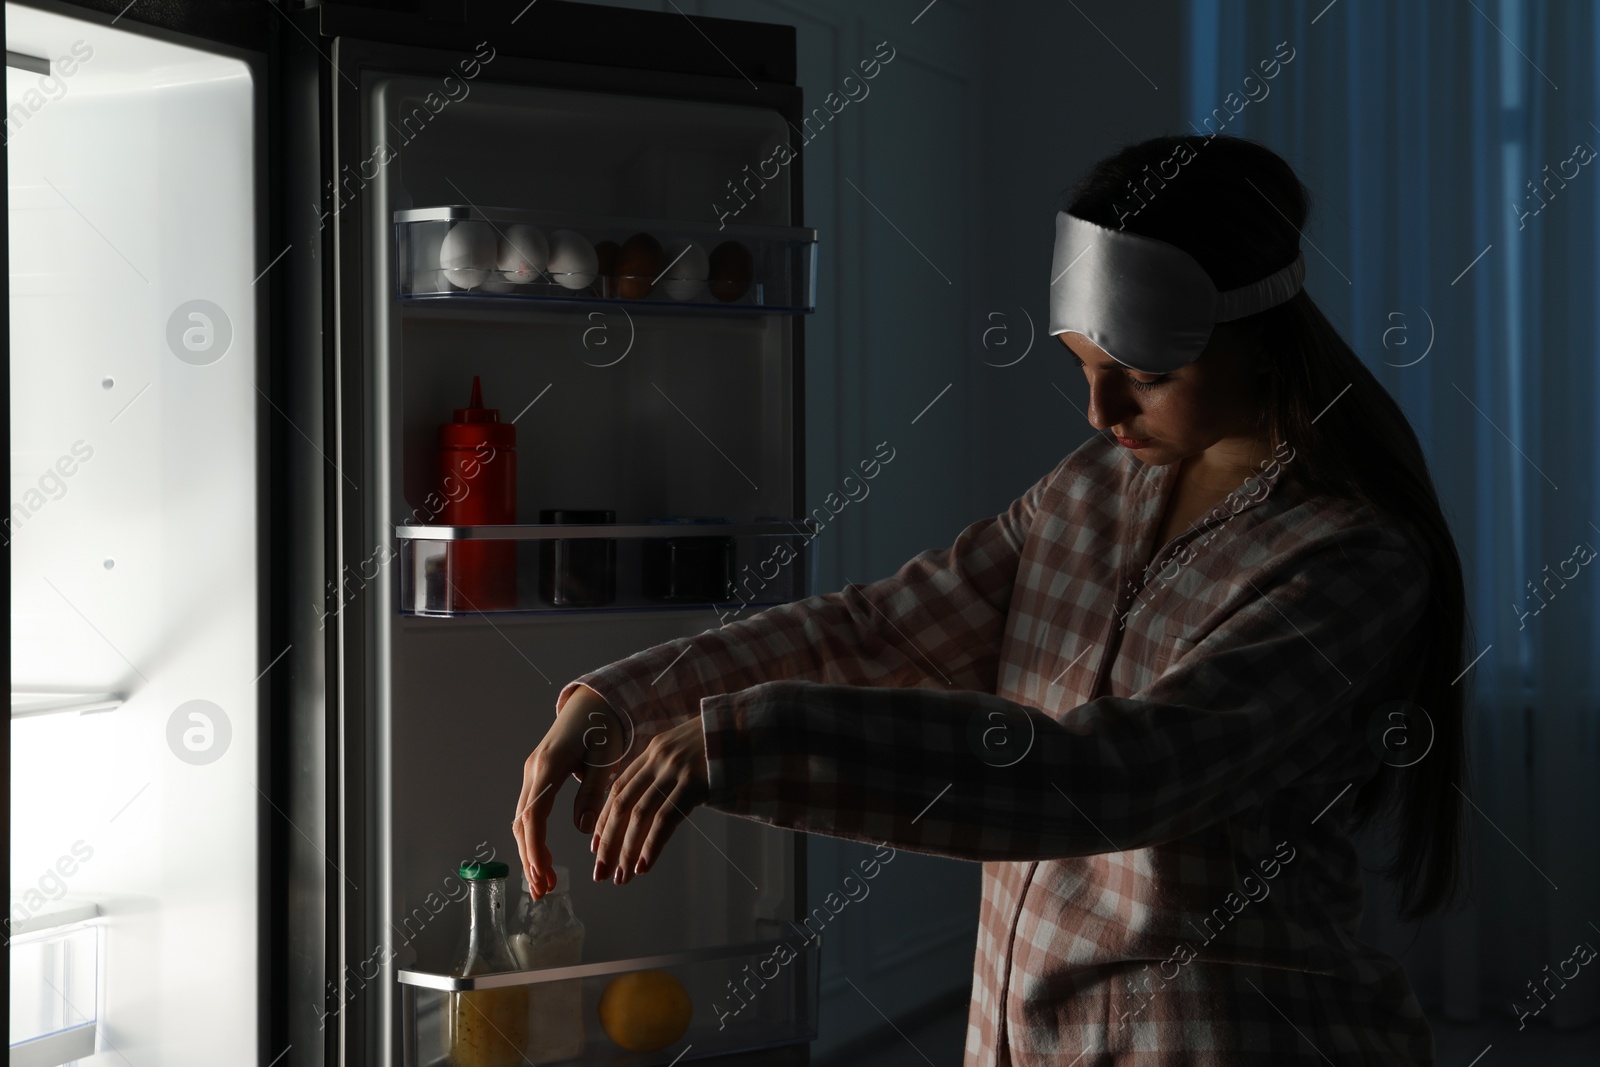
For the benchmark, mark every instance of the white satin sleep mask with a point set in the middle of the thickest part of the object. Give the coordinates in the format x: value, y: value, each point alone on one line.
x: 1148, y: 304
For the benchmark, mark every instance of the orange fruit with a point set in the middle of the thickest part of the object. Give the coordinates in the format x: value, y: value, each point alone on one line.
x: 645, y: 1010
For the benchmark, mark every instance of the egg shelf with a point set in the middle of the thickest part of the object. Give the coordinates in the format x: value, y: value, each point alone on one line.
x: 743, y: 997
x: 559, y: 569
x: 502, y: 257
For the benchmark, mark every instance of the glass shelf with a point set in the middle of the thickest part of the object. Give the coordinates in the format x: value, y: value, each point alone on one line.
x: 744, y: 997
x: 53, y: 994
x: 548, y: 568
x: 504, y: 256
x: 26, y: 703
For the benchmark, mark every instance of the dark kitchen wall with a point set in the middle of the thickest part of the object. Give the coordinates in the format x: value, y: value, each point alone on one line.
x: 1065, y: 85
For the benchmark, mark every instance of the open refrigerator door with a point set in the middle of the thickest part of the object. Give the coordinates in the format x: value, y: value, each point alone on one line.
x: 576, y: 399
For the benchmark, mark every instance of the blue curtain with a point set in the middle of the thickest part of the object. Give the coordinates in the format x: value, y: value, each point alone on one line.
x: 1449, y: 147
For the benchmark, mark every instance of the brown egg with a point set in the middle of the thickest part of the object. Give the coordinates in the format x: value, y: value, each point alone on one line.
x: 639, y: 264
x: 605, y: 282
x: 732, y: 270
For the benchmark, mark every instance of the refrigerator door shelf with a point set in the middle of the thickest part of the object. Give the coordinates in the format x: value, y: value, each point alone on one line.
x: 505, y: 256
x: 28, y: 917
x: 562, y: 532
x: 55, y: 989
x: 744, y: 997
x: 558, y: 569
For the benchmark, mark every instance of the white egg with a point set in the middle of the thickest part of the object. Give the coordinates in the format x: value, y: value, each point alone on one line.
x: 467, y: 254
x: 572, y: 260
x: 524, y: 253
x: 687, y: 270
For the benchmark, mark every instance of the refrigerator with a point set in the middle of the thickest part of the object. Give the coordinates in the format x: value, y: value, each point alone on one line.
x: 279, y: 645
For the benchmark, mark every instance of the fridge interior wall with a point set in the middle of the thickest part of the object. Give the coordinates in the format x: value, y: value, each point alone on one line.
x: 132, y: 524
x: 697, y: 419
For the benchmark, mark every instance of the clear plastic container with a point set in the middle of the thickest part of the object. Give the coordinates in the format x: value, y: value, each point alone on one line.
x: 734, y: 567
x: 509, y: 256
x: 546, y: 933
x: 53, y: 991
x: 485, y: 1027
x: 743, y: 997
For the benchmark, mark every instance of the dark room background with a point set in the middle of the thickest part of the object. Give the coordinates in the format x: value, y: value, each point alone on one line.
x: 1422, y: 130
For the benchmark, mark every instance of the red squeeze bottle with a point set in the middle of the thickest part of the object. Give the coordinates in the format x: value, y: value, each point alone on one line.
x: 478, y: 480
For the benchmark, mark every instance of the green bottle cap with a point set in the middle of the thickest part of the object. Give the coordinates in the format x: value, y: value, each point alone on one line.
x: 473, y: 871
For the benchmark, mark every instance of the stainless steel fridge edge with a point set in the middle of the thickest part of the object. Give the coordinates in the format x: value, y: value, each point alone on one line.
x: 348, y: 680
x: 385, y: 592
x: 309, y: 1011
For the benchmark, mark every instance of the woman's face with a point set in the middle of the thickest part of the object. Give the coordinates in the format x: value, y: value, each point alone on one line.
x: 1209, y: 408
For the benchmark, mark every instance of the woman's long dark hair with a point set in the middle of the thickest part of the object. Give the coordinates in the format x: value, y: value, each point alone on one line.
x: 1238, y: 209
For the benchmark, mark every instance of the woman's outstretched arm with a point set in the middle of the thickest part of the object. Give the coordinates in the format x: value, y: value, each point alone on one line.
x: 1260, y: 702
x: 937, y: 621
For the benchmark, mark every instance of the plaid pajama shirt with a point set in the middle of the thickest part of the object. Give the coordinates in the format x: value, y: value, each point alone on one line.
x: 1152, y: 763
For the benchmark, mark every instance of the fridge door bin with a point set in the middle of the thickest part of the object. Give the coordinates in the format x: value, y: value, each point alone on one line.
x: 510, y: 256
x: 556, y: 568
x: 54, y: 995
x: 744, y: 997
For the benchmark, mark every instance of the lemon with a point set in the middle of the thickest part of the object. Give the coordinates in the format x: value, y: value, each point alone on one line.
x: 645, y: 1010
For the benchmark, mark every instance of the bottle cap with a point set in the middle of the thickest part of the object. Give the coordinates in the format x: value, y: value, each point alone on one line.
x: 561, y: 881
x: 476, y: 423
x: 475, y: 411
x: 474, y: 871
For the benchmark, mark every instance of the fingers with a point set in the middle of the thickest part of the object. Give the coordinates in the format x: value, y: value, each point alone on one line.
x: 668, y: 816
x: 549, y: 864
x: 605, y: 742
x: 602, y: 843
x: 543, y: 803
x: 648, y: 799
x: 587, y: 740
x: 521, y: 824
x: 650, y: 805
x: 646, y: 804
x: 539, y: 788
x: 596, y: 777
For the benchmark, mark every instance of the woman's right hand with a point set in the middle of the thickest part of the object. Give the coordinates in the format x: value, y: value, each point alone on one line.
x: 589, y: 741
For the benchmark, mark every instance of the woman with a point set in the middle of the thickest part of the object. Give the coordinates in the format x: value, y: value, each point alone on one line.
x: 1154, y: 696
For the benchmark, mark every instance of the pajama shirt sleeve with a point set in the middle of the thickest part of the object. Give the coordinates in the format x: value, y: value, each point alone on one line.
x: 1264, y: 697
x: 937, y: 621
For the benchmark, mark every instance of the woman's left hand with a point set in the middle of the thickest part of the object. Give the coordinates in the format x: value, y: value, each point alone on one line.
x: 648, y: 800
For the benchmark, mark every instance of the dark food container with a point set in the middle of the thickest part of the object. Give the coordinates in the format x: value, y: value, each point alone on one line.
x: 688, y: 569
x: 581, y: 572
